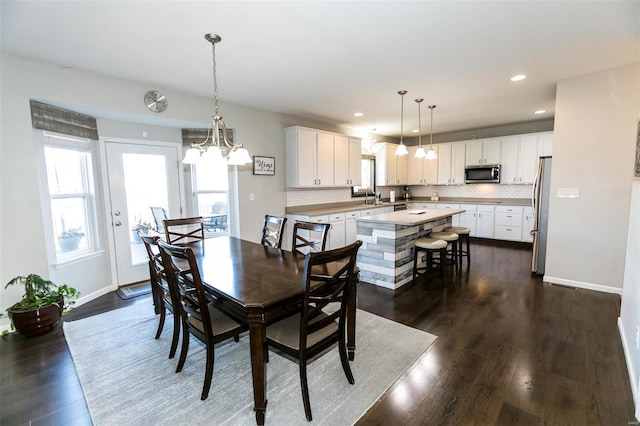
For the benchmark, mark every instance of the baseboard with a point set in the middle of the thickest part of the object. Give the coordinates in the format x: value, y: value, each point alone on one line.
x: 580, y: 284
x: 633, y: 375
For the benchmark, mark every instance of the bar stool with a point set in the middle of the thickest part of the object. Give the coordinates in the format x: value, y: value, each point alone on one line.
x: 463, y: 232
x: 450, y: 238
x: 430, y: 245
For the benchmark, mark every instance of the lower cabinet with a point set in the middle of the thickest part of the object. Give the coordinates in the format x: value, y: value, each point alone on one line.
x: 337, y: 236
x: 528, y: 223
x: 508, y: 223
x: 468, y: 218
x: 485, y: 216
x: 350, y: 227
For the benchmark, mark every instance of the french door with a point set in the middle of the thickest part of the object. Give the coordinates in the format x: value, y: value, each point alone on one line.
x: 139, y: 176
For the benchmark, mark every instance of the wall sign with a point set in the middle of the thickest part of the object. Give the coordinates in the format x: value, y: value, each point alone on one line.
x: 264, y: 165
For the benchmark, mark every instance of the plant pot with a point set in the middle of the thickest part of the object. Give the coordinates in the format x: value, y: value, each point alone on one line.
x: 135, y: 238
x: 68, y: 244
x: 36, y: 321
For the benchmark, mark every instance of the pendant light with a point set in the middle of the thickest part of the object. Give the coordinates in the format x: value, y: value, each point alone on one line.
x: 374, y: 146
x: 402, y: 149
x: 431, y: 154
x: 420, y: 151
x: 217, y: 134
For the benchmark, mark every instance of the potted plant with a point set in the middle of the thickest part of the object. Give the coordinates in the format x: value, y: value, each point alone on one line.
x: 69, y: 240
x: 140, y: 226
x: 41, y: 306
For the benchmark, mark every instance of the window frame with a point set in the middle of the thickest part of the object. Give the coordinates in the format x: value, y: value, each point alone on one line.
x: 88, y: 196
x: 355, y: 194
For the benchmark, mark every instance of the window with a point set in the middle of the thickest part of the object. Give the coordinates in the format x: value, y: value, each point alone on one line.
x: 210, y: 194
x: 71, y: 192
x: 368, y: 172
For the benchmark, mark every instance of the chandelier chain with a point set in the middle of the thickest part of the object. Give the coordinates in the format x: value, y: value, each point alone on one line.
x: 215, y: 78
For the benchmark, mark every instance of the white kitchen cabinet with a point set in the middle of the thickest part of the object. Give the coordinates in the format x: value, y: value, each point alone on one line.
x: 482, y: 151
x: 337, y: 232
x: 508, y: 223
x: 310, y: 157
x: 485, y: 215
x: 391, y: 169
x: 347, y: 156
x: 350, y: 226
x: 421, y: 171
x: 468, y: 218
x: 528, y: 222
x: 451, y: 163
x: 520, y: 155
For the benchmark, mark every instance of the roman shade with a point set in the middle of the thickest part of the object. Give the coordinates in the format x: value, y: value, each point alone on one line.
x: 60, y: 120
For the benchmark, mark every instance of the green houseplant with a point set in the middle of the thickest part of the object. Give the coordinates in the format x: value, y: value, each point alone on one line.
x: 140, y: 226
x: 69, y: 240
x: 41, y: 306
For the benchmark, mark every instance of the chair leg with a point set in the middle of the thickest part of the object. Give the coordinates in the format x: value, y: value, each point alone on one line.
x: 468, y: 251
x: 176, y: 335
x: 208, y: 374
x: 416, y: 253
x: 344, y: 359
x: 443, y: 266
x: 185, y: 347
x: 305, y: 389
x: 163, y: 314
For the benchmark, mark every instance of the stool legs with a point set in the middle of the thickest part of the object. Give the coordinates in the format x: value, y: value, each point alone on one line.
x: 430, y: 264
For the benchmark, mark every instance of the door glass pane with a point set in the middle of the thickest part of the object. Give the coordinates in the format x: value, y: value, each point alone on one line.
x: 145, y: 182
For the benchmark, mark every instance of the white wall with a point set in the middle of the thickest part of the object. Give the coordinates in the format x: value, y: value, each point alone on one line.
x: 593, y: 150
x: 120, y: 112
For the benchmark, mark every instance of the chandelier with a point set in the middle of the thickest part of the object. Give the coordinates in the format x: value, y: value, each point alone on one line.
x: 217, y: 133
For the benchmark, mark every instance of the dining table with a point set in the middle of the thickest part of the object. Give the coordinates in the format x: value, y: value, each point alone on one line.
x: 259, y: 285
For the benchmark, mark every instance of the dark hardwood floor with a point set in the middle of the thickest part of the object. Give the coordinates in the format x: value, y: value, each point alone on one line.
x: 510, y: 351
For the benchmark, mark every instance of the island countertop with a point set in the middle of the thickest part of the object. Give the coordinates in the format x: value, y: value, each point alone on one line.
x: 410, y: 217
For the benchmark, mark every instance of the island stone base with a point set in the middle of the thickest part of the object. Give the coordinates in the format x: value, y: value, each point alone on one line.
x: 386, y: 255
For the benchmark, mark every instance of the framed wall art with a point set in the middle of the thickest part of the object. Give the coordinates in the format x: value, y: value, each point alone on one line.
x: 264, y: 165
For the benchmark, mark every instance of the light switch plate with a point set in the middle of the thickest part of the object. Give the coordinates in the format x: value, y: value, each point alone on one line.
x: 568, y: 193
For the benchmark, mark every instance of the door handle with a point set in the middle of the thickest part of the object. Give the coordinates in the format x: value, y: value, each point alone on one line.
x: 116, y: 213
x: 117, y: 223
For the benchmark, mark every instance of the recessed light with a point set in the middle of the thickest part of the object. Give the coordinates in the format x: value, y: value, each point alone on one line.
x: 518, y: 77
x: 540, y: 111
x: 415, y: 131
x: 358, y: 114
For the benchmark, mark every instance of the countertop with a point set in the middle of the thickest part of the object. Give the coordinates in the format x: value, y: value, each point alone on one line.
x: 406, y: 217
x: 322, y: 209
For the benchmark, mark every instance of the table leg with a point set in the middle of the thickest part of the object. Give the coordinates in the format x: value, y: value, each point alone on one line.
x: 351, y: 321
x: 258, y: 368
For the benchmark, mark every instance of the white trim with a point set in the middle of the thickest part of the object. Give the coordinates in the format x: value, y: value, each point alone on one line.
x: 580, y: 284
x: 633, y: 375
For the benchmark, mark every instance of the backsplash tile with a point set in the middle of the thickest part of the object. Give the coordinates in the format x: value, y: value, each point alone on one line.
x: 306, y: 196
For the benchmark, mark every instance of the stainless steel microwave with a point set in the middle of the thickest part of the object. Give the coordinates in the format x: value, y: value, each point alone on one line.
x: 489, y: 173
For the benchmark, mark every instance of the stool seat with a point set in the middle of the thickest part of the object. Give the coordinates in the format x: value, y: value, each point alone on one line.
x: 431, y: 243
x: 447, y: 236
x: 460, y: 230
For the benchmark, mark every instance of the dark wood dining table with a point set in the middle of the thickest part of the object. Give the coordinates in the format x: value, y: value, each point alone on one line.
x: 258, y: 285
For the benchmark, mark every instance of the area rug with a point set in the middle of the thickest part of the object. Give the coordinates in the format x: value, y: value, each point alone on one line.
x: 134, y: 290
x: 127, y: 378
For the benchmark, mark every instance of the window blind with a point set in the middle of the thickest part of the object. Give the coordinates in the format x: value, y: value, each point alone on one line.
x: 60, y: 120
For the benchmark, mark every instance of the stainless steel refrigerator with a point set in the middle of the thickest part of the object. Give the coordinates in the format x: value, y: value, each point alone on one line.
x: 540, y: 201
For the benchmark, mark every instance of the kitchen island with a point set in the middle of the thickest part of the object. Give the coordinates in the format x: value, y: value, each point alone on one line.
x: 386, y: 256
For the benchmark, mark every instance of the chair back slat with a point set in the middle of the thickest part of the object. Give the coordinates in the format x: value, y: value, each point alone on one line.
x: 159, y: 215
x: 273, y: 231
x: 309, y: 237
x: 184, y: 231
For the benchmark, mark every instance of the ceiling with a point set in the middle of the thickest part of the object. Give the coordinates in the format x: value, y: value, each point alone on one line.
x: 327, y: 60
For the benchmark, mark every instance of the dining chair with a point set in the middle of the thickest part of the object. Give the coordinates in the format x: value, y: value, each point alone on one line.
x: 308, y: 334
x: 159, y: 215
x: 199, y: 316
x: 162, y: 298
x: 273, y: 230
x: 309, y: 237
x: 184, y: 231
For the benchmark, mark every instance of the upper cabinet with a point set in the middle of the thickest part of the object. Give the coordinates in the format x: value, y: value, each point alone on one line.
x: 391, y: 169
x: 520, y: 155
x: 315, y: 158
x: 347, y: 153
x: 451, y: 163
x: 421, y: 171
x: 483, y: 151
